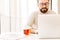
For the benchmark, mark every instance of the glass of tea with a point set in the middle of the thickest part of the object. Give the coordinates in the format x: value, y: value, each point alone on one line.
x: 26, y: 31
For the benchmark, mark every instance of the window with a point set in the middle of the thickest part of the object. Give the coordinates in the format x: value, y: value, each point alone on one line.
x: 55, y: 6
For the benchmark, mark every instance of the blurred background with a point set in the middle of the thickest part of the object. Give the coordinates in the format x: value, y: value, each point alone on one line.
x: 14, y: 14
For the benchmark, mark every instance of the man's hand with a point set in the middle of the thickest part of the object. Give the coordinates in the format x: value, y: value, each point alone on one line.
x: 33, y: 31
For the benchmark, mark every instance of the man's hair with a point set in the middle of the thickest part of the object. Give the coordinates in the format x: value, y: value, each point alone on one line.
x: 38, y: 1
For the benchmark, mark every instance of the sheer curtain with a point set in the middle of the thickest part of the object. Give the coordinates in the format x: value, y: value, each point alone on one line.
x: 4, y: 16
x: 10, y: 16
x: 15, y: 15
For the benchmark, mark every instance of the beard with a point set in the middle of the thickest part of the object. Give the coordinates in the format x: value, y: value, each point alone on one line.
x: 44, y: 10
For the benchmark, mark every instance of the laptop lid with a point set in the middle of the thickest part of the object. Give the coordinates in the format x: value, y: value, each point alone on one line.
x: 49, y: 26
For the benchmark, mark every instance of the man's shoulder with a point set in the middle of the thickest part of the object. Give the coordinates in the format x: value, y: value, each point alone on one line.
x: 52, y: 12
x: 35, y: 13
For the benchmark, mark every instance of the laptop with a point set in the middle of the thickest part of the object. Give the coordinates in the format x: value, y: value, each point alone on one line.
x: 48, y: 26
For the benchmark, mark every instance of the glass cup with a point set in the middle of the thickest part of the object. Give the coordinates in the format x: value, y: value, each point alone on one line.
x: 26, y: 31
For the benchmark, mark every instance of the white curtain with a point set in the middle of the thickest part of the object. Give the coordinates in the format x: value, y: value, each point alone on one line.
x: 10, y: 16
x: 15, y: 15
x: 4, y: 16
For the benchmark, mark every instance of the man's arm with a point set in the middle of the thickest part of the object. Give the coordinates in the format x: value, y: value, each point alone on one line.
x: 31, y: 22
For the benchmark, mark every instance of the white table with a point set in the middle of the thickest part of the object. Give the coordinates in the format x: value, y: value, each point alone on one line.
x: 49, y: 39
x: 11, y: 36
x: 17, y: 36
x: 30, y: 37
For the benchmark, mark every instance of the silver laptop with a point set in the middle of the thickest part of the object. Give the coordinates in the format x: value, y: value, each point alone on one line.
x: 49, y: 26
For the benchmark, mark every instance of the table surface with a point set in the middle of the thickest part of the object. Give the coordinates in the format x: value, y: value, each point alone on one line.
x: 14, y: 36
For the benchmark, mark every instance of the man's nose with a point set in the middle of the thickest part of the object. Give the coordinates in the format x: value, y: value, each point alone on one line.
x: 44, y: 5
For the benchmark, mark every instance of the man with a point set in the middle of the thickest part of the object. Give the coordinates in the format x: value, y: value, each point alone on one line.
x: 43, y: 6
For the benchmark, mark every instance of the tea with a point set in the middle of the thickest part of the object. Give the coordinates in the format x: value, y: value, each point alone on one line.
x: 26, y: 31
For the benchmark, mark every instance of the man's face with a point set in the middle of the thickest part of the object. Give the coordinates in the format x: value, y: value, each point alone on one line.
x: 43, y: 5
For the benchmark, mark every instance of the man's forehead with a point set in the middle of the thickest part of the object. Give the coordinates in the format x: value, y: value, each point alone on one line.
x: 43, y: 1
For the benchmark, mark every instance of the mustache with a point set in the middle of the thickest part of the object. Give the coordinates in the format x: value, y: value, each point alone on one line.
x: 44, y: 8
